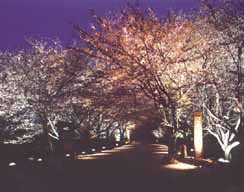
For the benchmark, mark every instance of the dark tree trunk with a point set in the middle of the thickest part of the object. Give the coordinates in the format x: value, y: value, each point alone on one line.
x: 172, y: 141
x: 47, y: 140
x: 171, y: 146
x: 122, y: 132
x: 107, y: 135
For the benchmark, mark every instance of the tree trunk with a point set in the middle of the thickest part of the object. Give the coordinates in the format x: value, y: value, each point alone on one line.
x: 107, y: 135
x: 47, y: 140
x: 173, y: 118
x: 172, y: 141
x: 171, y: 147
x: 121, y: 135
x: 227, y: 151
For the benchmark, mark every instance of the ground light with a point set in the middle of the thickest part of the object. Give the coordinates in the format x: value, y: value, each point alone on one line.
x: 221, y: 160
x: 112, y: 151
x: 92, y: 156
x: 67, y: 155
x: 12, y: 164
x: 160, y: 152
x: 100, y: 154
x: 103, y: 154
x: 86, y: 158
x: 39, y: 160
x: 181, y: 166
x: 189, y: 157
x: 31, y: 158
x: 208, y: 161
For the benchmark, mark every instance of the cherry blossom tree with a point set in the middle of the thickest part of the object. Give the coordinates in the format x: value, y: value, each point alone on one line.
x: 41, y: 81
x: 161, y: 58
x: 223, y: 97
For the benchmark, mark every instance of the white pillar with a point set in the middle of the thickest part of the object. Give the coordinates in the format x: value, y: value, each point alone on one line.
x: 198, y: 134
x: 128, y: 133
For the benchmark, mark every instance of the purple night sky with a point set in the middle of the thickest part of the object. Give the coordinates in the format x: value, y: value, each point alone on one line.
x: 50, y: 18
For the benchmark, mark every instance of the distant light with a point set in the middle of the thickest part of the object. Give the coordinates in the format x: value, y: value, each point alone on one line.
x: 192, y: 150
x: 66, y: 129
x: 223, y: 160
x: 103, y: 147
x: 39, y: 159
x: 117, y: 144
x: 12, y: 164
x: 83, y: 152
x: 179, y: 153
x: 93, y: 150
x: 67, y: 155
x: 31, y: 159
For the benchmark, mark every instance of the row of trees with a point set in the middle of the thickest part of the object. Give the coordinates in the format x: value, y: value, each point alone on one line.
x: 223, y: 98
x: 180, y: 64
x: 46, y: 88
x: 128, y: 66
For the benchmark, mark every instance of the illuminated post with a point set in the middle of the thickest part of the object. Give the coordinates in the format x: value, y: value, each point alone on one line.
x: 185, y: 151
x: 198, y: 134
x: 130, y: 127
x: 128, y: 133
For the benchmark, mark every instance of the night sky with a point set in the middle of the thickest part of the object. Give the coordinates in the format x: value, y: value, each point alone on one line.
x: 51, y: 18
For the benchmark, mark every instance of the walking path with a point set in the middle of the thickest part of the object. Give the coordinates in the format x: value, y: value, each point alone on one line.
x: 137, y: 167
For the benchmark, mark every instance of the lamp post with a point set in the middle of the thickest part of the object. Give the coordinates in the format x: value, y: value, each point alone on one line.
x: 198, y: 134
